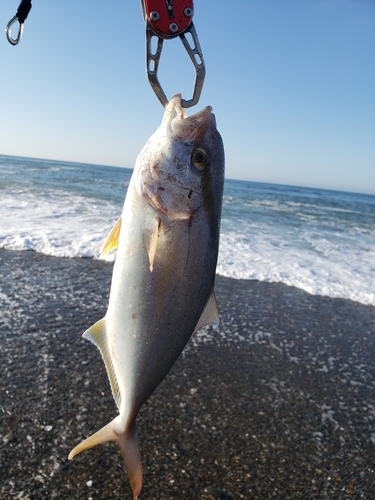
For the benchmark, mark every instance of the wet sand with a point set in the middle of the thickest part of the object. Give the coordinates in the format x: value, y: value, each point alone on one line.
x: 278, y: 402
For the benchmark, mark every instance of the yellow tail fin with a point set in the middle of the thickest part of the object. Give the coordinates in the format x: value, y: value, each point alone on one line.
x: 129, y: 447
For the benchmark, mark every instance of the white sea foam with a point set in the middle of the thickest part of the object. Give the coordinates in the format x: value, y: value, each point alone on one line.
x: 61, y: 226
x: 331, y: 273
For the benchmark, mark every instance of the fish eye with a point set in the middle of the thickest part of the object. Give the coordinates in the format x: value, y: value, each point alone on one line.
x: 199, y: 159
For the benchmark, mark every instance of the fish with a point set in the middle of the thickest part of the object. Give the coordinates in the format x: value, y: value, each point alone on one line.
x: 162, y: 288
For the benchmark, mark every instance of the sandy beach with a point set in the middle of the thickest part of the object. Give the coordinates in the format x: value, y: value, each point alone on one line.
x: 278, y: 402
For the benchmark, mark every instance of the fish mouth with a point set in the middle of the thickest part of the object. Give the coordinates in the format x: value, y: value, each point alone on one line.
x: 162, y: 178
x: 185, y: 127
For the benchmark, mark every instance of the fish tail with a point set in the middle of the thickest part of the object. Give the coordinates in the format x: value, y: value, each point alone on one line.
x: 129, y: 447
x: 105, y: 434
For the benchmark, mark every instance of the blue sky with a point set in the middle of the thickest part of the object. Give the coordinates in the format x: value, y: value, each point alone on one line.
x: 291, y: 83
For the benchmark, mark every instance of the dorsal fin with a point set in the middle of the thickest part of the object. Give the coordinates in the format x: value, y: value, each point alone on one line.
x: 111, y: 243
x: 97, y: 335
x: 210, y: 314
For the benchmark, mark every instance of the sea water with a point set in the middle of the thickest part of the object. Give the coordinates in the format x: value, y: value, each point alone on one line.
x: 320, y: 241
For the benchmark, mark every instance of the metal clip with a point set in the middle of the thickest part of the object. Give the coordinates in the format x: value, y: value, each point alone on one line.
x: 14, y: 41
x: 168, y: 19
x: 21, y: 15
x: 196, y: 56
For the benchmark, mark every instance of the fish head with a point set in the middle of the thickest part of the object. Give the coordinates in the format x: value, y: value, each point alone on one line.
x: 181, y: 168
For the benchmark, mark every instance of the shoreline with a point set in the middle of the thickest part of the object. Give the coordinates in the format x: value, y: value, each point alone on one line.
x: 278, y: 402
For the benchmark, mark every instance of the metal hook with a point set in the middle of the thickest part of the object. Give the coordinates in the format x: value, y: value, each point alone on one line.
x: 167, y: 19
x: 14, y: 41
x: 195, y: 54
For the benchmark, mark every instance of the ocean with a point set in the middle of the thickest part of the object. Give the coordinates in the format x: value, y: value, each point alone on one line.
x: 318, y: 240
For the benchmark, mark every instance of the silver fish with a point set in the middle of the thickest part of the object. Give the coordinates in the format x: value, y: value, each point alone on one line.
x: 162, y: 285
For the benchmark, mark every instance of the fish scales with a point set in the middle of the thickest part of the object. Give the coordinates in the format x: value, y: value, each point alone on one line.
x: 162, y: 285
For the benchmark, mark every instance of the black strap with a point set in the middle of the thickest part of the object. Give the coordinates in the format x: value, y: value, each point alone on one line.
x: 23, y: 10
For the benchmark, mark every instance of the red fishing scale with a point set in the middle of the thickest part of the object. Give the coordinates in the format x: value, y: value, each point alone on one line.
x: 167, y: 17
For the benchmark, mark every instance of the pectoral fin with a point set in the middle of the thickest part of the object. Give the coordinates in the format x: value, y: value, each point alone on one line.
x: 210, y: 314
x: 151, y: 237
x: 111, y: 243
